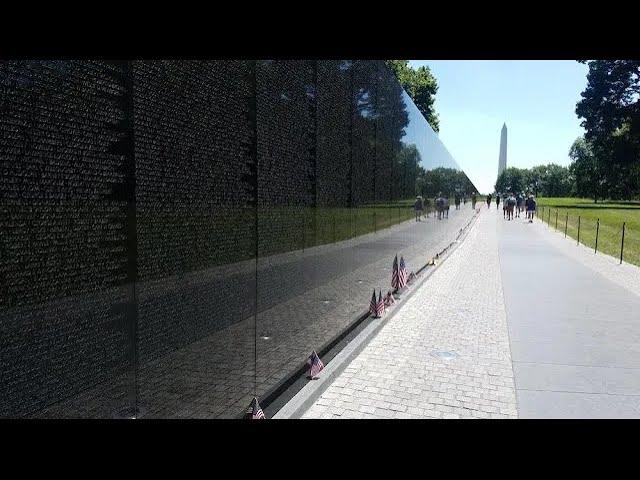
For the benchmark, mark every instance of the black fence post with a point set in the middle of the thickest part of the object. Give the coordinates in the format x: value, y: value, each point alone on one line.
x: 578, y: 230
x: 304, y: 233
x: 566, y: 220
x: 333, y: 226
x: 597, y: 231
x: 556, y: 219
x: 354, y: 224
x: 622, y: 244
x: 549, y: 218
x: 374, y: 221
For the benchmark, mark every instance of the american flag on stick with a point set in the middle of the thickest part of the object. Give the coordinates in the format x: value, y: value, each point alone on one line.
x: 315, y: 364
x: 373, y: 304
x: 402, y: 274
x: 380, y: 305
x: 394, y: 275
x: 389, y: 300
x: 412, y: 277
x: 255, y: 410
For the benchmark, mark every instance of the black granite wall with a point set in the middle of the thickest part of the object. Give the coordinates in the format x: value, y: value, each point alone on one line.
x: 66, y: 185
x: 158, y: 224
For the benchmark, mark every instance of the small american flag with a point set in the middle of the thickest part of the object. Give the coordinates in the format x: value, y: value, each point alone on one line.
x: 412, y: 277
x: 394, y: 275
x: 315, y: 364
x: 389, y: 300
x: 380, y: 306
x: 402, y: 274
x: 255, y: 410
x: 373, y: 303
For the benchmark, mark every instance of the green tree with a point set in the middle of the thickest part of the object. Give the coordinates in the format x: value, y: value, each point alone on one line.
x: 547, y: 180
x: 421, y: 86
x: 511, y: 179
x: 535, y: 178
x: 557, y: 181
x: 584, y: 169
x: 408, y: 170
x: 610, y: 109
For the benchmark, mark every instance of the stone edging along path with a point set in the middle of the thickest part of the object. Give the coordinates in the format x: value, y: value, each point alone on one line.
x: 446, y: 354
x: 306, y: 397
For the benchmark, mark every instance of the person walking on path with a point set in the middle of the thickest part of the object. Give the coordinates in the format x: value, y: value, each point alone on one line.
x: 497, y: 201
x: 457, y: 202
x: 473, y: 200
x: 418, y: 207
x: 511, y: 205
x: 488, y: 201
x: 440, y: 206
x: 519, y: 201
x: 531, y: 208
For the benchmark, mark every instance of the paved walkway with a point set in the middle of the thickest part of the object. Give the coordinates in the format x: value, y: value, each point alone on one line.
x: 574, y: 324
x: 459, y: 309
x: 531, y: 316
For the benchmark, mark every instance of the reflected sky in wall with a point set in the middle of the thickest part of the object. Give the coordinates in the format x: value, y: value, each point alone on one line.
x: 433, y: 153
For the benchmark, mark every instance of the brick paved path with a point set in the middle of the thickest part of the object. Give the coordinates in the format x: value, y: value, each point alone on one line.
x: 460, y: 308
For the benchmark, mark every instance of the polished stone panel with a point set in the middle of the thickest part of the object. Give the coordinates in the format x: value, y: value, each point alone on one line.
x: 179, y: 235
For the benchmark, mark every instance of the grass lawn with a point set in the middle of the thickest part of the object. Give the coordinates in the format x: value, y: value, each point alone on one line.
x: 611, y: 214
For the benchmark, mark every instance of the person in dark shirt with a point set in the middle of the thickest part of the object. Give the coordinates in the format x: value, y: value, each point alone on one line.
x: 440, y: 206
x: 531, y: 208
x: 418, y: 206
x: 510, y: 203
x: 488, y: 201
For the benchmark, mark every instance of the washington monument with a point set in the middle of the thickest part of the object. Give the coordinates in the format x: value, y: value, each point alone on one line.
x: 502, y: 160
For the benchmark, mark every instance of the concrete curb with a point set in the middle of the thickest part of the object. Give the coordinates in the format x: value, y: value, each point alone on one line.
x: 307, y: 396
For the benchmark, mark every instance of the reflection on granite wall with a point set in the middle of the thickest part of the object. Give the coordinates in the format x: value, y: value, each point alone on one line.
x: 65, y: 173
x: 178, y: 235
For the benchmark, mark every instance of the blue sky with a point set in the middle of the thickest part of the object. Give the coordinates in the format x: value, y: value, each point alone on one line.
x: 536, y: 99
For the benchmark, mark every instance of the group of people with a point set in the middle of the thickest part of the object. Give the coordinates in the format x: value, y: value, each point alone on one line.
x: 515, y: 204
x: 441, y: 203
x: 442, y: 207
